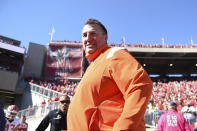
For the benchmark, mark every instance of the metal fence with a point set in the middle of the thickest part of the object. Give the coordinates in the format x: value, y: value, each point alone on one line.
x: 45, y: 92
x: 37, y: 111
x: 151, y: 119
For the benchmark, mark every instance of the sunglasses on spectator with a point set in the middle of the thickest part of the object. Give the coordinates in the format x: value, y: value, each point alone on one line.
x: 66, y: 101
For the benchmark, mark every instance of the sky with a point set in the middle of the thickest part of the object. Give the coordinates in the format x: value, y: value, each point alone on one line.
x: 139, y: 21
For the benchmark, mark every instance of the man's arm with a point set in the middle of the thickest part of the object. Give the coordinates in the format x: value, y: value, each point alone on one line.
x: 136, y: 87
x: 44, y: 123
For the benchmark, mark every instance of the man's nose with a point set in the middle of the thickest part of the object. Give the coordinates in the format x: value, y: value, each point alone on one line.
x: 89, y: 37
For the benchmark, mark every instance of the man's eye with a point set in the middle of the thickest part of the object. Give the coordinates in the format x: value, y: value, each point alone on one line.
x: 93, y: 33
x: 84, y: 35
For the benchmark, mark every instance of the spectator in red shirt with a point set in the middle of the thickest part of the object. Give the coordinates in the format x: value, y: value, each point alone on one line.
x: 23, y: 126
x: 55, y: 98
x: 43, y: 103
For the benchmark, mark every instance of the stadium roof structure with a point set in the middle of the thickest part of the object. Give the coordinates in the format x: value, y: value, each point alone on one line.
x: 10, y: 41
x: 164, y: 61
x: 11, y: 54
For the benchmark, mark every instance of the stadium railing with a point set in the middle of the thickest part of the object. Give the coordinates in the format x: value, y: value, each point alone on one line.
x: 45, y: 92
x: 38, y: 111
x: 150, y: 119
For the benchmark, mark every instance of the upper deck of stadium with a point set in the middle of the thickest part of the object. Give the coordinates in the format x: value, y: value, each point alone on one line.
x: 160, y: 59
x: 165, y: 59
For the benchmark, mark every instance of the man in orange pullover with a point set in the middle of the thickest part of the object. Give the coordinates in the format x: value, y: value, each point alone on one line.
x: 115, y: 89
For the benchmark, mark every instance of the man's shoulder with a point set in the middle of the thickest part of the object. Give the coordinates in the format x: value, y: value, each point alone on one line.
x: 116, y: 52
x: 185, y: 107
x: 173, y: 112
x: 52, y: 114
x: 54, y: 111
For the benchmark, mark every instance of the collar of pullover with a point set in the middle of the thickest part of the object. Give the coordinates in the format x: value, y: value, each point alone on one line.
x: 92, y: 57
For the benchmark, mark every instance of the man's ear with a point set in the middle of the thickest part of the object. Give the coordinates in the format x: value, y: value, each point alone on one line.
x: 106, y: 37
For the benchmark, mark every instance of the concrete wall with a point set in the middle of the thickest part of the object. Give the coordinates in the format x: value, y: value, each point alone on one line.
x: 26, y: 99
x: 8, y: 80
x: 35, y: 60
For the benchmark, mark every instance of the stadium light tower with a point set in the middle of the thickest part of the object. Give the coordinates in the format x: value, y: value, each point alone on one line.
x: 162, y: 40
x: 52, y: 33
x: 191, y: 41
x: 123, y: 41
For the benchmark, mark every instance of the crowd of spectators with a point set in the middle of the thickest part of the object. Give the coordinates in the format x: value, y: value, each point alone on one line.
x: 183, y: 92
x: 65, y: 41
x: 142, y: 45
x: 60, y: 85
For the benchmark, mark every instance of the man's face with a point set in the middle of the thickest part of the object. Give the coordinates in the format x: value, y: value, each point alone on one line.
x: 64, y: 103
x: 10, y: 118
x: 93, y: 38
x: 11, y: 115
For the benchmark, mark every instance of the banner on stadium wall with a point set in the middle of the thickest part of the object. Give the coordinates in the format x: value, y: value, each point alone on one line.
x: 64, y: 60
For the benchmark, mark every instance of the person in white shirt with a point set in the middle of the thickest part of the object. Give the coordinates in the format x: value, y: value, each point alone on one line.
x: 189, y: 113
x: 13, y: 121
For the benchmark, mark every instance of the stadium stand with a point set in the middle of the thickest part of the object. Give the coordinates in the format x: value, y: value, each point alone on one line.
x: 11, y: 63
x: 24, y: 82
x: 153, y: 46
x: 63, y: 86
x: 183, y: 92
